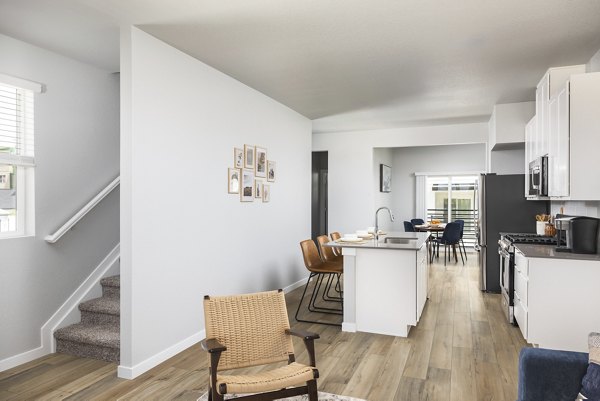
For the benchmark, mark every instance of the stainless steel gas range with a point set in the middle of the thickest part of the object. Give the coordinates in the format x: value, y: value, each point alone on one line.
x: 506, y: 250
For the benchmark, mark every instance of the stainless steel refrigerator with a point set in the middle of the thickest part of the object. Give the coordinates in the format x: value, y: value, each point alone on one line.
x: 503, y: 208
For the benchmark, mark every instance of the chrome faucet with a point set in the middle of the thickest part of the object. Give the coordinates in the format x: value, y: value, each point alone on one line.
x: 377, y: 223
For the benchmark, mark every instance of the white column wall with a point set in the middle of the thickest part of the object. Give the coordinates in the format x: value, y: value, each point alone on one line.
x: 183, y: 235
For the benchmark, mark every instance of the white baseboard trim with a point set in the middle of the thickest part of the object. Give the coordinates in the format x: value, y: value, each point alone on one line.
x: 295, y: 285
x: 126, y: 372
x: 20, y: 359
x: 77, y: 297
x: 350, y: 327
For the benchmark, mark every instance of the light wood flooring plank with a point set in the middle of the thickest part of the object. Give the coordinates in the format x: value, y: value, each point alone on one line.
x: 462, y: 349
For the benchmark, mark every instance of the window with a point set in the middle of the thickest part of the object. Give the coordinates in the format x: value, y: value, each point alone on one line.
x: 449, y: 198
x: 16, y: 156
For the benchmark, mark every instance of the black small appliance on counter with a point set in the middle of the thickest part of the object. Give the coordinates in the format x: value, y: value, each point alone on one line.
x: 579, y: 234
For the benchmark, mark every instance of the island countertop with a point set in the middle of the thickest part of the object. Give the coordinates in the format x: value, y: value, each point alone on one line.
x: 397, y: 240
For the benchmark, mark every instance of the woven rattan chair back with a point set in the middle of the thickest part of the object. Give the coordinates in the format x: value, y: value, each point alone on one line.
x: 327, y: 253
x: 312, y: 260
x: 251, y: 326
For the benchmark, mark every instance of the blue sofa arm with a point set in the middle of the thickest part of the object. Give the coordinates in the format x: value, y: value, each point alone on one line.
x: 550, y: 375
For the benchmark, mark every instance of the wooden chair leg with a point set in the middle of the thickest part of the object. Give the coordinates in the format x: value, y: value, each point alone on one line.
x: 312, y: 390
x: 464, y: 249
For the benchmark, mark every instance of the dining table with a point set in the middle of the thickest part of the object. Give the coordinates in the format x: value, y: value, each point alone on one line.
x: 434, y: 229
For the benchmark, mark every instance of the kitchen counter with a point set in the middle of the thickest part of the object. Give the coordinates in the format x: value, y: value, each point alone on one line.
x: 414, y: 241
x: 548, y: 251
x: 385, y: 283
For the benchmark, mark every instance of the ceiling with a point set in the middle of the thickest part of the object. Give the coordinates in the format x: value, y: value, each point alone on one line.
x: 346, y: 64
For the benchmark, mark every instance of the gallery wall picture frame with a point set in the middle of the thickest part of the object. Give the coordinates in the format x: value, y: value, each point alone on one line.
x: 233, y: 180
x: 385, y: 178
x: 247, y: 186
x: 258, y: 188
x: 238, y: 158
x: 271, y: 171
x: 5, y: 179
x: 249, y: 157
x: 260, y: 167
x: 266, y: 193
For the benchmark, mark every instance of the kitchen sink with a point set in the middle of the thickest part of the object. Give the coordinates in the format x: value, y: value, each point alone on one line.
x: 398, y: 240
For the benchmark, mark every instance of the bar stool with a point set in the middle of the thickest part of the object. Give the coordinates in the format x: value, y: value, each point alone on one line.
x: 329, y: 256
x: 334, y: 237
x: 319, y: 269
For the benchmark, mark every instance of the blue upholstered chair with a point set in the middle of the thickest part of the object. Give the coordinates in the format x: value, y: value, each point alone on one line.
x: 417, y: 222
x: 451, y: 237
x: 550, y: 375
x: 462, y: 230
x: 408, y: 227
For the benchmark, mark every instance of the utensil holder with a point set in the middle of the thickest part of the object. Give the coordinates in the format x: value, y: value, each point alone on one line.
x: 540, y: 227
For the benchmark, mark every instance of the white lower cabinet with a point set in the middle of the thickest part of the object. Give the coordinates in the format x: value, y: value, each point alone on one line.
x: 556, y: 301
x: 422, y: 279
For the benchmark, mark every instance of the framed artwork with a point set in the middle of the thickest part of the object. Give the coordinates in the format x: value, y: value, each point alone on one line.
x: 271, y: 171
x: 261, y: 162
x: 238, y: 158
x: 249, y: 157
x: 4, y: 179
x: 266, y: 193
x: 385, y: 178
x: 233, y: 180
x: 247, y: 188
x: 258, y: 188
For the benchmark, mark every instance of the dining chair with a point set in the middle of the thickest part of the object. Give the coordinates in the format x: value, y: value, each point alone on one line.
x: 317, y: 269
x: 251, y: 330
x: 329, y: 256
x: 462, y: 229
x: 450, y: 237
x: 408, y: 227
x: 417, y: 222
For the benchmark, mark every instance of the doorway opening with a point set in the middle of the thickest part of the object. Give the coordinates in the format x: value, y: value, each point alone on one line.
x: 319, y: 194
x: 454, y: 197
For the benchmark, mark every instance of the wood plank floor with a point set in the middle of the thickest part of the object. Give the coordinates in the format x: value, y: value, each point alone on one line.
x: 463, y: 349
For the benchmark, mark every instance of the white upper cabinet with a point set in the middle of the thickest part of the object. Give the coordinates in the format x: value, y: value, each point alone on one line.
x: 530, y: 137
x: 584, y: 136
x: 558, y: 154
x: 548, y: 88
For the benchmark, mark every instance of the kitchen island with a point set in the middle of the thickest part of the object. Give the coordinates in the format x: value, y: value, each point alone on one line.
x: 385, y: 283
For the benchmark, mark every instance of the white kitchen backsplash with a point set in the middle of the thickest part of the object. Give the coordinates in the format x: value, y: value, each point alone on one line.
x: 576, y: 208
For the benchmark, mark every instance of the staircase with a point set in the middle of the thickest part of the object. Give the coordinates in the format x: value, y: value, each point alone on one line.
x: 97, y: 335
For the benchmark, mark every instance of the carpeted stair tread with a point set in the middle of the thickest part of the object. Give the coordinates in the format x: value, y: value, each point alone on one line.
x: 105, y: 336
x: 112, y: 281
x: 109, y: 306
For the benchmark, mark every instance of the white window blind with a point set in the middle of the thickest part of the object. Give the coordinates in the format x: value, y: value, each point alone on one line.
x: 16, y: 126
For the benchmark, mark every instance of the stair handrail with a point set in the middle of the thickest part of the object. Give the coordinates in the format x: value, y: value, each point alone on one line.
x: 84, y: 210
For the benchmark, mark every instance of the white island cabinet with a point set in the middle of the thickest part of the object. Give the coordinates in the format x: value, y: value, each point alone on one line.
x: 385, y: 283
x: 556, y: 297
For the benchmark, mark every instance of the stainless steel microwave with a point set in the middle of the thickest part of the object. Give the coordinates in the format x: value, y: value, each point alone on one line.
x: 538, y: 177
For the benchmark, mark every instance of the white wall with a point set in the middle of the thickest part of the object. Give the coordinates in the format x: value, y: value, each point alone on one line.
x: 382, y: 156
x: 77, y: 154
x: 430, y: 159
x: 510, y: 161
x: 183, y: 236
x: 351, y: 195
x: 594, y: 64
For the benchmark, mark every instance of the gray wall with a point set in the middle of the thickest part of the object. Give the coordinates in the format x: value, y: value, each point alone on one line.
x: 511, y: 161
x: 430, y: 159
x: 383, y: 156
x: 77, y: 154
x: 594, y: 64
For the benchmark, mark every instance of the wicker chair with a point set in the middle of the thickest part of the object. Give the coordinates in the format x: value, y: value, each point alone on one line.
x: 318, y: 269
x: 251, y: 330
